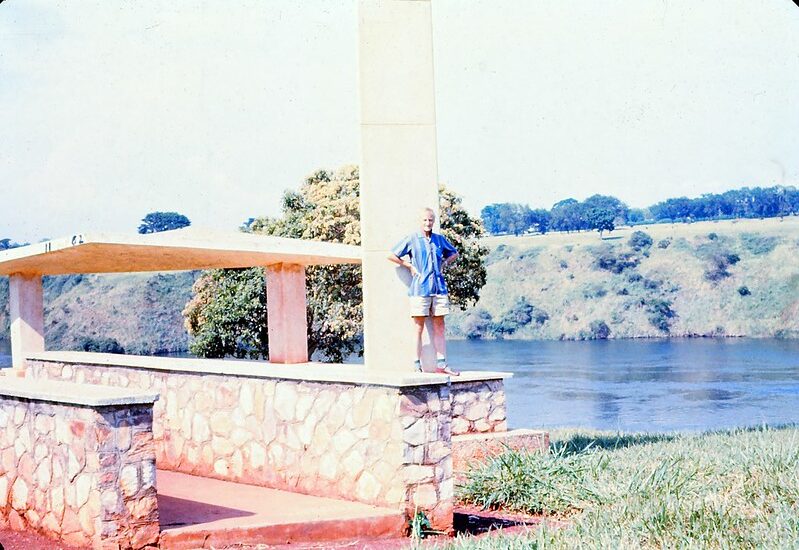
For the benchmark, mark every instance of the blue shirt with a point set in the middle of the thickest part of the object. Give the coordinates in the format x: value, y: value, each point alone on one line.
x: 427, y: 255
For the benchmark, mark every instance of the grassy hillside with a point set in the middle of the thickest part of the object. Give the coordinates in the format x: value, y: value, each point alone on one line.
x: 730, y: 278
x: 140, y: 312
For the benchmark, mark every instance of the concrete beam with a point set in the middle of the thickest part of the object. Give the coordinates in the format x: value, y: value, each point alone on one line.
x: 286, y: 313
x: 26, y: 305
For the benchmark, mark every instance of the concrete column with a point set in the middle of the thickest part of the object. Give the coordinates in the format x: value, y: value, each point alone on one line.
x: 286, y: 313
x: 399, y: 170
x: 26, y: 305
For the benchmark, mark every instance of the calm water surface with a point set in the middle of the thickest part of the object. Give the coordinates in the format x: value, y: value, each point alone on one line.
x: 637, y: 385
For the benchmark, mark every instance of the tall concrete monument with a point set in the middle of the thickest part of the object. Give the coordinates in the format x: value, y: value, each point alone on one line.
x: 399, y: 166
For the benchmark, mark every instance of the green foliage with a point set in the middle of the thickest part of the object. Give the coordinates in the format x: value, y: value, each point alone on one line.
x: 155, y: 222
x: 468, y: 275
x: 664, y: 243
x: 478, y: 324
x: 521, y: 314
x: 8, y: 244
x: 592, y: 291
x: 660, y: 313
x: 759, y: 244
x: 719, y: 256
x: 531, y: 483
x: 325, y: 208
x: 597, y: 330
x: 609, y: 260
x: 420, y: 526
x: 59, y: 284
x: 639, y: 241
x: 99, y: 345
x: 227, y: 314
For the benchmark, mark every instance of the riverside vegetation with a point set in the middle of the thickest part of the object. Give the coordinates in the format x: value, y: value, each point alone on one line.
x: 731, y: 489
x: 726, y: 278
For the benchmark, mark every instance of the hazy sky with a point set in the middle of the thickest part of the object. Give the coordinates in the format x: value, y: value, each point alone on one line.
x: 110, y: 110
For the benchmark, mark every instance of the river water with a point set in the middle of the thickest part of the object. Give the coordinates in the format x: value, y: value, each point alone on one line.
x: 637, y: 385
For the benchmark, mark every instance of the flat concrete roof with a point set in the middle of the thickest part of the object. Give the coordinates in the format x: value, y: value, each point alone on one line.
x: 179, y: 250
x: 71, y: 393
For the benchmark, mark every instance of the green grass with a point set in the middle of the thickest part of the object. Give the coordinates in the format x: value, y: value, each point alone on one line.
x: 736, y: 489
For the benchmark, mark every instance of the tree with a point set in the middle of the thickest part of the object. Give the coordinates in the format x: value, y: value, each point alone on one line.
x: 155, y: 222
x: 541, y: 219
x: 468, y: 275
x: 568, y: 215
x: 8, y: 244
x: 601, y: 219
x: 326, y: 207
x: 507, y: 218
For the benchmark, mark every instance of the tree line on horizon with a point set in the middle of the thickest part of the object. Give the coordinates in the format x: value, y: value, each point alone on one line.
x: 605, y: 213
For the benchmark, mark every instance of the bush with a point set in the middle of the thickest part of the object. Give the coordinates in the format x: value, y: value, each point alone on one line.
x: 635, y: 277
x: 99, y: 345
x: 660, y: 314
x: 664, y: 243
x: 744, y: 291
x: 597, y: 330
x: 712, y: 236
x: 759, y: 244
x: 521, y: 314
x: 477, y: 324
x: 720, y: 261
x: 639, y: 241
x: 609, y: 261
x: 594, y: 291
x: 651, y: 284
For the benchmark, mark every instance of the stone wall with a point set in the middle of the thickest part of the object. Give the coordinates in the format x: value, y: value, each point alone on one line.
x: 381, y: 445
x: 478, y: 406
x: 81, y: 474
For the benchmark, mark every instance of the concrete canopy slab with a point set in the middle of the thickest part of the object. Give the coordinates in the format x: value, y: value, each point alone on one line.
x: 179, y: 250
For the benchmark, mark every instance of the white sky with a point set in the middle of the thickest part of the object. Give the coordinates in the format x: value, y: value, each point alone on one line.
x: 111, y: 110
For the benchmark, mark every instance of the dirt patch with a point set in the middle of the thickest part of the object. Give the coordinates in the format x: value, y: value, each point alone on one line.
x: 26, y: 540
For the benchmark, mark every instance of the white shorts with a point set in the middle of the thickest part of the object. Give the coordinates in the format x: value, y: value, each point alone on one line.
x: 429, y: 306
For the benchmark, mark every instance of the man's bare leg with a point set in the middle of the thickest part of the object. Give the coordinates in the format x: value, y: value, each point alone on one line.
x: 419, y: 326
x: 440, y: 344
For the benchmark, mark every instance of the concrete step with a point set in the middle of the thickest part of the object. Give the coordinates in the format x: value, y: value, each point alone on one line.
x: 197, y: 512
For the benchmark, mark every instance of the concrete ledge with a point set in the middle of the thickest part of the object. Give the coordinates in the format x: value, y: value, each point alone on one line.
x: 71, y: 393
x: 469, y: 449
x: 480, y: 376
x: 308, y: 372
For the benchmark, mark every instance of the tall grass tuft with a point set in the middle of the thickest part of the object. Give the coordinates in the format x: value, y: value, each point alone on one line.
x: 733, y: 489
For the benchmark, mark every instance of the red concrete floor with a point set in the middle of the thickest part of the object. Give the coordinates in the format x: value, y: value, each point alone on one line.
x: 199, y: 512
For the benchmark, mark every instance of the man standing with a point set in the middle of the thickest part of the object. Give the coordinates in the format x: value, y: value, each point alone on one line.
x: 430, y: 253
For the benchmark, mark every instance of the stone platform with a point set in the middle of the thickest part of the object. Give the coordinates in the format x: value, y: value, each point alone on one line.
x: 198, y: 512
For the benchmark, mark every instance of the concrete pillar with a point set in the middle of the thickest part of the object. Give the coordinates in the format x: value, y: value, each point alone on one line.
x: 286, y: 313
x: 399, y: 170
x: 26, y: 306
